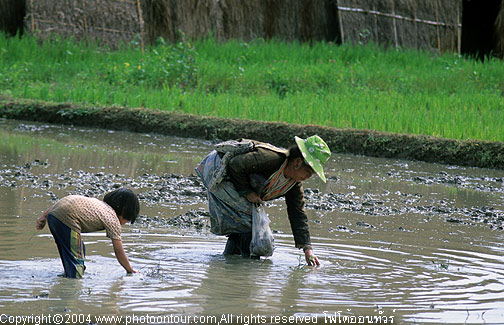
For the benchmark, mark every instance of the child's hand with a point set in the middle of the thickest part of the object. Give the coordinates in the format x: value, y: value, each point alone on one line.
x: 41, y: 221
x: 132, y: 271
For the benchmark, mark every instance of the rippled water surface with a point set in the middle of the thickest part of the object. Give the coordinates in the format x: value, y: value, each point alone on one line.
x: 413, y: 242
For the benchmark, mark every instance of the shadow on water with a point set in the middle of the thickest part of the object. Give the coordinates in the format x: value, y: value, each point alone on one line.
x: 415, y: 242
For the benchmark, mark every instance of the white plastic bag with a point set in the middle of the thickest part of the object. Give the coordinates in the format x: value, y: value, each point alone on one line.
x: 263, y: 243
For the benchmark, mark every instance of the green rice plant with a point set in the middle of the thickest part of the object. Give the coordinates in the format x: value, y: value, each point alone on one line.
x: 346, y: 86
x: 163, y: 65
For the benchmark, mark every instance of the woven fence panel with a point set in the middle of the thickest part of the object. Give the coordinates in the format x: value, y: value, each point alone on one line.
x: 108, y: 22
x: 432, y: 25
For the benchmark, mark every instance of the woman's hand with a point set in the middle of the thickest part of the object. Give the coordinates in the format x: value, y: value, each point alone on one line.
x: 310, y: 257
x: 254, y: 198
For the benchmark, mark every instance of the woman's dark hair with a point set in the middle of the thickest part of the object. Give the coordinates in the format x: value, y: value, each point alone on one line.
x: 124, y: 202
x: 294, y: 152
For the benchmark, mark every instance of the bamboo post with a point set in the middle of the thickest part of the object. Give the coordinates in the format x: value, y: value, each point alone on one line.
x: 140, y: 21
x: 459, y: 34
x: 32, y: 17
x: 397, y: 17
x: 437, y: 27
x: 85, y: 20
x: 416, y: 27
x: 341, y: 27
x: 395, y: 25
x: 376, y: 36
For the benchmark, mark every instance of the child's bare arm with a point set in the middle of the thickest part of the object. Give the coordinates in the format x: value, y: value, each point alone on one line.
x: 121, y: 256
x: 41, y: 221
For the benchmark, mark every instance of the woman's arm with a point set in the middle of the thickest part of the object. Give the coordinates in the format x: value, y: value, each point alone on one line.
x: 121, y: 256
x: 299, y: 223
x: 298, y: 219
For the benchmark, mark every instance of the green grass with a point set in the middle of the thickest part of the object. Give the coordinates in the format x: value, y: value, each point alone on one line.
x: 363, y: 87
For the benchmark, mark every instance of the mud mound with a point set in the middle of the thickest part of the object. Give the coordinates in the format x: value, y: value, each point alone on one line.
x: 361, y: 142
x: 192, y: 219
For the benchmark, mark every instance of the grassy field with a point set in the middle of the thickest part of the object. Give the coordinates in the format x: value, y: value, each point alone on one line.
x: 363, y: 87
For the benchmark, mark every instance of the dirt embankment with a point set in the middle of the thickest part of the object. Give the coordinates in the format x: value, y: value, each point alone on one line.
x: 362, y: 142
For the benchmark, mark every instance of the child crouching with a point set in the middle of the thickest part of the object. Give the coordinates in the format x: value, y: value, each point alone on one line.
x: 76, y: 214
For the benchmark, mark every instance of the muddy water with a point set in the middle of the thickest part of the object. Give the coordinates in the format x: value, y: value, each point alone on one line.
x: 409, y: 242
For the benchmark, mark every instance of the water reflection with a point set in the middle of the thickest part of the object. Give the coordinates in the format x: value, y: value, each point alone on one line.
x: 402, y: 239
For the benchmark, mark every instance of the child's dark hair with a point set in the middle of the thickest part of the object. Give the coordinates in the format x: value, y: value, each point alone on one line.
x: 124, y: 202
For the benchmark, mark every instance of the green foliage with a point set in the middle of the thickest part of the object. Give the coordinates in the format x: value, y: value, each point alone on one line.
x: 162, y: 66
x: 76, y: 112
x: 442, y: 265
x: 347, y: 86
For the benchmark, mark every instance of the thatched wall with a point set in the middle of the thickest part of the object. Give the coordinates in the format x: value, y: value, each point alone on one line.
x: 108, y: 22
x: 246, y: 20
x: 113, y: 21
x: 433, y: 25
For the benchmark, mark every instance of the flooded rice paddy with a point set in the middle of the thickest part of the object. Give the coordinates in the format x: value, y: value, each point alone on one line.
x: 410, y: 242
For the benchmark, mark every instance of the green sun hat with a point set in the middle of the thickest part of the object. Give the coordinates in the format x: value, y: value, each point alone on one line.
x: 315, y: 153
